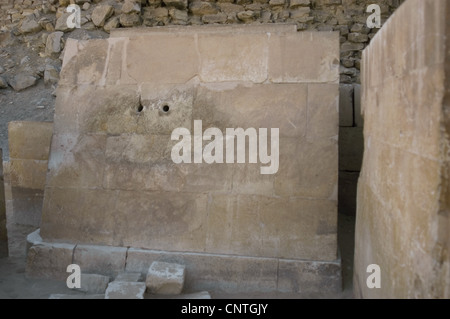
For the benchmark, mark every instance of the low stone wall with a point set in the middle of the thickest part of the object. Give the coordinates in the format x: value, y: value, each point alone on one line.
x: 403, y: 222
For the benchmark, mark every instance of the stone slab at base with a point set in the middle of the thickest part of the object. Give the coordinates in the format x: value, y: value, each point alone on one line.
x: 210, y: 272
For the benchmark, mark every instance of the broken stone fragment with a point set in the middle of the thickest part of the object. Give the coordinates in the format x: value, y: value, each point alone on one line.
x: 29, y: 25
x: 3, y: 83
x: 53, y: 43
x: 165, y: 278
x: 101, y: 14
x: 22, y: 81
x: 130, y: 19
x: 51, y: 74
x: 130, y: 6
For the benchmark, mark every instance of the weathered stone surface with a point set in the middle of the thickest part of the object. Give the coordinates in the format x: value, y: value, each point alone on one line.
x: 301, y: 276
x: 3, y: 83
x: 131, y: 6
x: 101, y: 13
x: 125, y: 290
x: 285, y: 66
x: 22, y: 81
x: 225, y: 106
x: 108, y: 261
x: 179, y: 4
x: 201, y: 8
x: 222, y: 61
x: 29, y: 140
x: 33, y: 238
x: 51, y: 74
x: 165, y: 278
x: 213, y: 272
x: 130, y: 19
x: 3, y: 231
x: 61, y: 23
x: 93, y: 283
x: 29, y: 25
x: 47, y: 260
x: 403, y: 190
x: 112, y: 23
x: 129, y: 276
x: 116, y: 156
x: 53, y: 43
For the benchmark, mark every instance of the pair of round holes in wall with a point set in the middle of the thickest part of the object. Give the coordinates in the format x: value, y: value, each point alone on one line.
x: 165, y: 108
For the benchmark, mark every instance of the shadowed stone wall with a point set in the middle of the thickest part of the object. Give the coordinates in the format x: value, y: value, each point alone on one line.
x: 403, y: 192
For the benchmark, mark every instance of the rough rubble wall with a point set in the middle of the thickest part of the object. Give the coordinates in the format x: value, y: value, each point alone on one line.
x: 27, y: 17
x: 403, y: 192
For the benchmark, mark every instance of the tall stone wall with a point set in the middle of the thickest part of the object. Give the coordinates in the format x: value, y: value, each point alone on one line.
x: 112, y: 179
x: 403, y: 222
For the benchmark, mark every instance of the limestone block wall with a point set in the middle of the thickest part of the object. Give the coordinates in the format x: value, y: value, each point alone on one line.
x: 112, y: 181
x: 403, y: 219
x: 29, y: 148
x: 3, y: 231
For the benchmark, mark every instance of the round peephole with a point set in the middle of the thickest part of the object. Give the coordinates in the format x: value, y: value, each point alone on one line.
x: 165, y: 108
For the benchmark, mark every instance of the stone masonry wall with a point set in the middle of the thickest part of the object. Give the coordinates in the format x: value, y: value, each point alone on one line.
x: 403, y: 213
x: 39, y: 26
x: 3, y: 232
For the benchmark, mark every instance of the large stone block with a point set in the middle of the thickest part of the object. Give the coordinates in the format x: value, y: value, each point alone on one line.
x: 49, y: 260
x: 256, y: 106
x: 309, y: 168
x: 319, y: 60
x: 29, y: 140
x: 165, y: 62
x: 105, y: 260
x: 28, y: 173
x: 242, y: 57
x: 165, y: 278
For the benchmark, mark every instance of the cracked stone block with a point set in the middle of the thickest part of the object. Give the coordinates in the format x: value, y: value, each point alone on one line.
x: 165, y: 278
x: 125, y: 290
